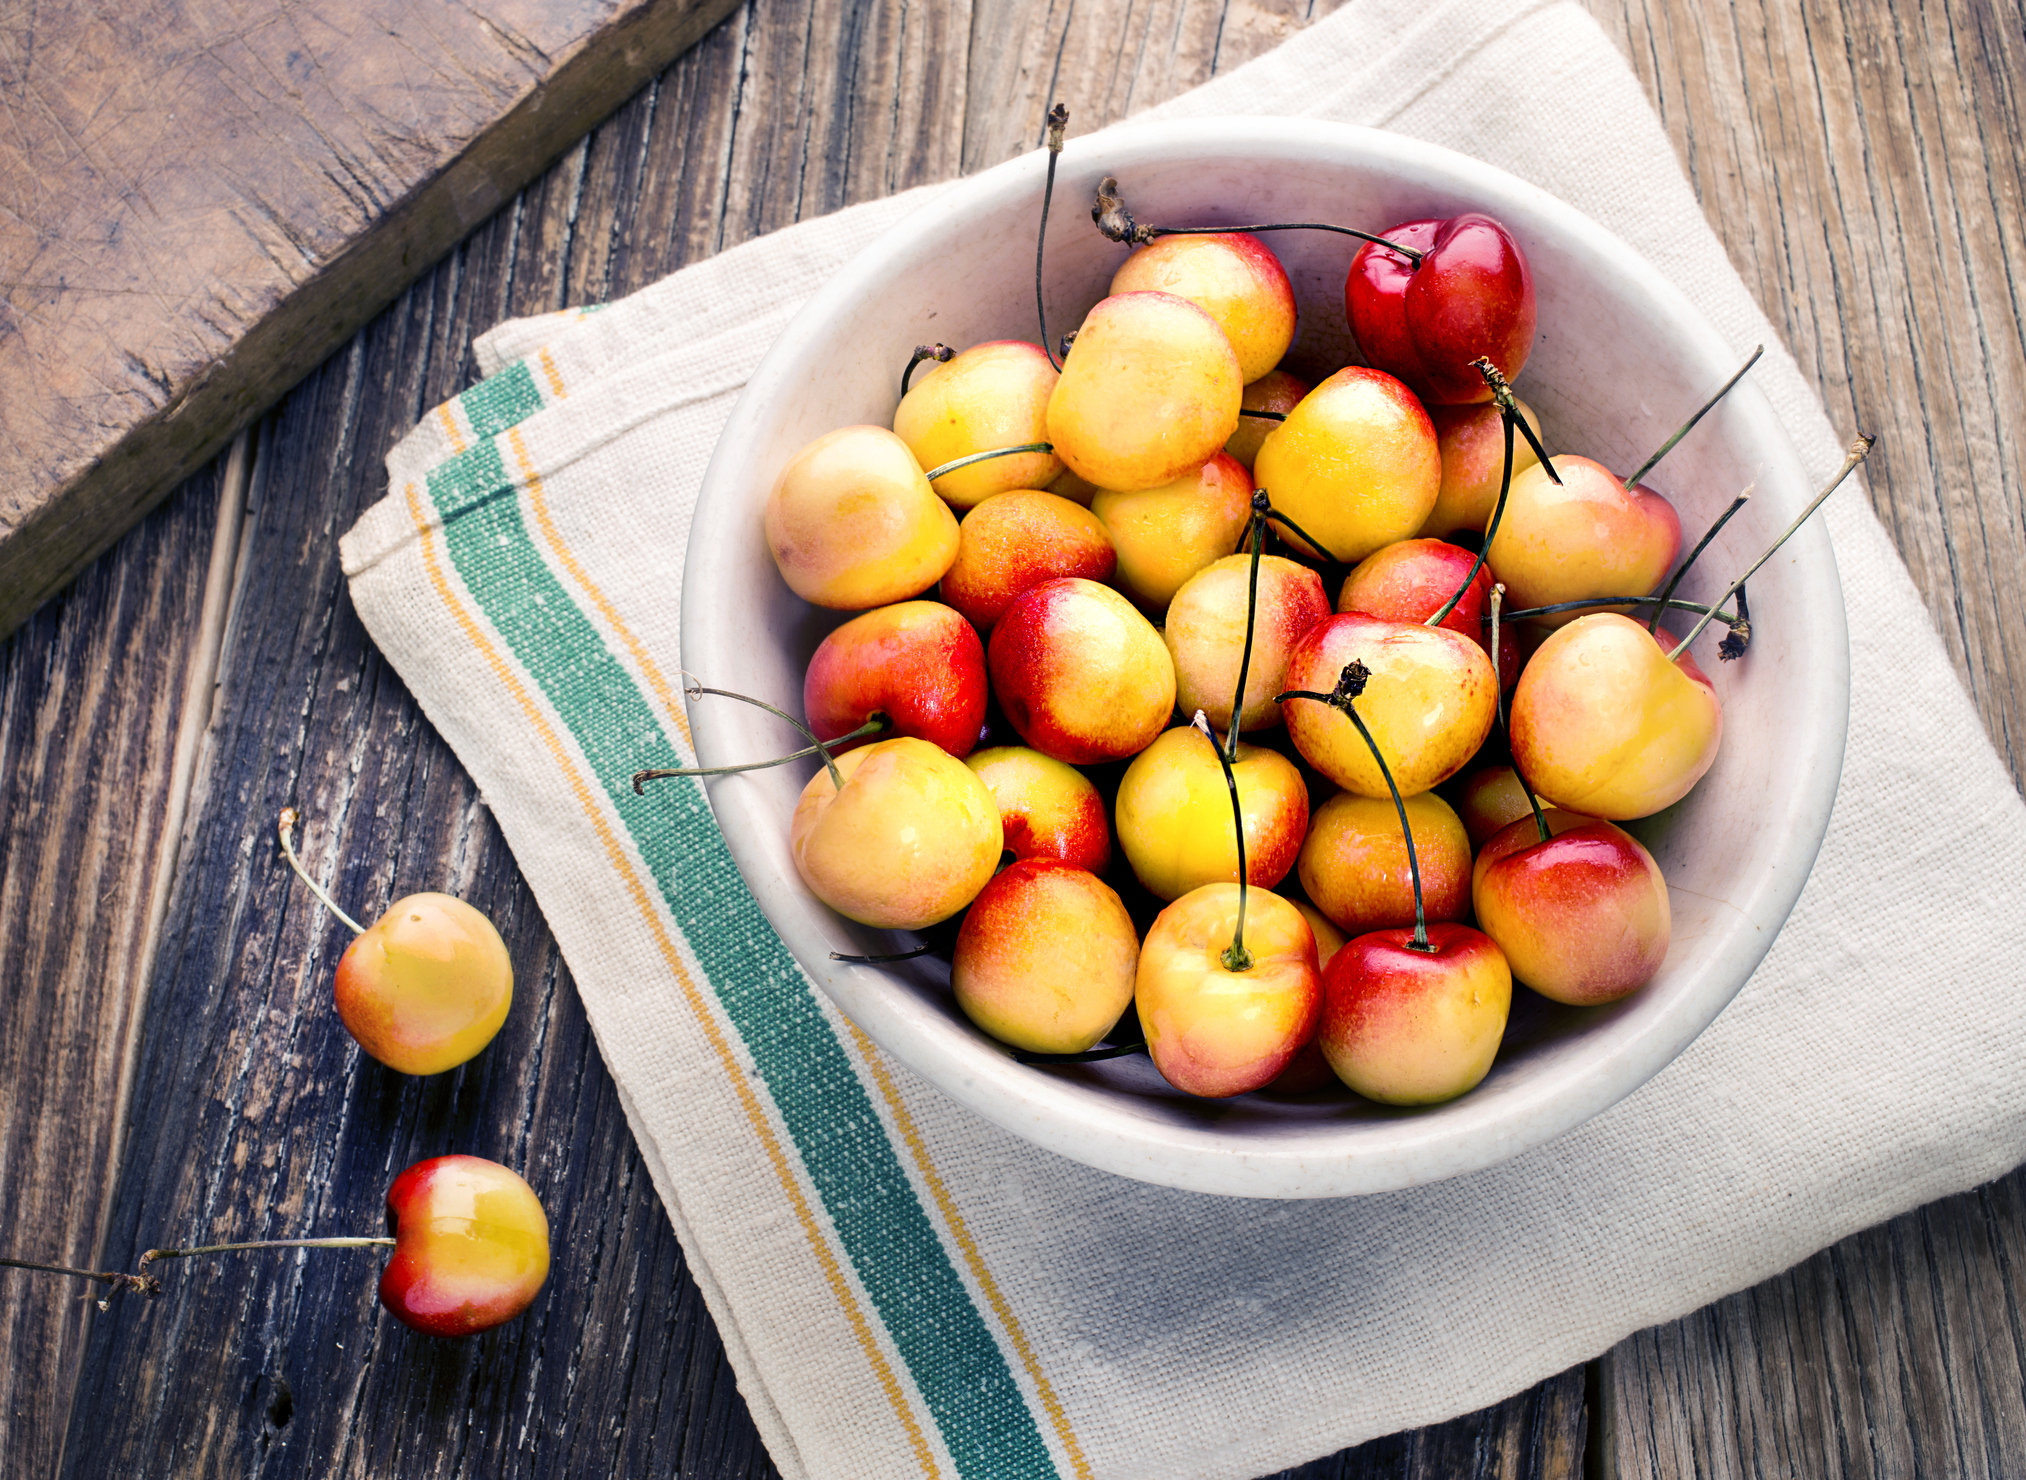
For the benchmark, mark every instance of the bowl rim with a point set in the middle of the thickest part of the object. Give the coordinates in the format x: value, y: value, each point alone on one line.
x: 1054, y: 1111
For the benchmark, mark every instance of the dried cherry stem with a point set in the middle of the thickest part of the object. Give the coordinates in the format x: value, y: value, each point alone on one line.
x: 1689, y: 425
x: 1592, y: 603
x: 1058, y: 130
x: 881, y: 960
x: 1350, y: 684
x: 1235, y: 956
x: 1851, y: 458
x: 695, y: 690
x: 1501, y: 392
x: 1088, y: 1056
x: 977, y: 457
x: 1257, y: 535
x: 880, y: 724
x: 1497, y: 676
x: 942, y: 354
x: 140, y: 1283
x: 1667, y: 591
x: 268, y: 1243
x: 286, y: 827
x: 1740, y: 635
x: 1509, y: 414
x: 1116, y: 222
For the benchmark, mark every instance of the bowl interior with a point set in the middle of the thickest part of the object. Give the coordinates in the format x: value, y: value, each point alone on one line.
x: 1620, y: 359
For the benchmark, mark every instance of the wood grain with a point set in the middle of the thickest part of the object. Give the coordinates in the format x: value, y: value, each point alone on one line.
x: 1895, y: 1353
x: 203, y: 200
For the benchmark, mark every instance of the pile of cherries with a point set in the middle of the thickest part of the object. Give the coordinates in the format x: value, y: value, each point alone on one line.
x: 1099, y: 534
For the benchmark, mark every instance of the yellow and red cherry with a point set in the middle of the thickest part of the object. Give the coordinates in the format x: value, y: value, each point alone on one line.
x: 1408, y: 1027
x: 1080, y: 674
x: 426, y: 986
x: 1355, y: 465
x: 1046, y: 957
x: 1275, y: 392
x: 1581, y: 915
x: 1047, y: 809
x: 990, y: 396
x: 853, y: 524
x: 1489, y: 798
x: 470, y: 1242
x: 1174, y: 814
x: 1149, y: 390
x: 1016, y: 540
x: 1605, y: 724
x: 471, y: 1246
x: 1213, y: 1028
x: 1233, y: 277
x: 1471, y: 440
x: 919, y: 663
x: 1470, y: 294
x: 1354, y: 865
x: 1431, y: 700
x: 1205, y: 634
x: 1165, y: 535
x: 1587, y: 536
x: 900, y: 834
x: 1411, y: 580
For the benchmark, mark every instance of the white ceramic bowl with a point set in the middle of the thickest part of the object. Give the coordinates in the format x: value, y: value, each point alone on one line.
x: 1621, y: 358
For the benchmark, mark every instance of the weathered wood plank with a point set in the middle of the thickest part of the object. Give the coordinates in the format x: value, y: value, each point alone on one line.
x: 204, y: 200
x: 1539, y: 1434
x: 92, y: 702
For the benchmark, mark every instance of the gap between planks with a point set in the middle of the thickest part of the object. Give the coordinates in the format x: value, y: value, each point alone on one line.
x: 223, y: 578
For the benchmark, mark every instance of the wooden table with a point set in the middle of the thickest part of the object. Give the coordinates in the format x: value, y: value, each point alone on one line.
x: 170, y: 1064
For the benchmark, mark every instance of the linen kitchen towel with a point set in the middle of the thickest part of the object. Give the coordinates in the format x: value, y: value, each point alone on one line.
x: 905, y: 1289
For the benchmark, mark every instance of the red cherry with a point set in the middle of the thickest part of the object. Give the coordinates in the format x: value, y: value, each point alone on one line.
x: 918, y: 662
x: 1470, y: 295
x: 471, y: 1246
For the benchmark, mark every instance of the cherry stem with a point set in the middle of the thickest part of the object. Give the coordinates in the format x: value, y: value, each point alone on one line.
x: 286, y: 827
x: 1851, y: 458
x: 1501, y: 392
x: 1257, y: 534
x: 942, y: 354
x: 879, y: 724
x: 1235, y: 957
x: 1267, y: 415
x: 1660, y: 606
x: 977, y: 457
x: 1088, y: 1056
x: 1508, y: 413
x: 1497, y: 674
x: 881, y: 960
x: 1540, y: 818
x: 1321, y: 550
x: 1058, y: 129
x: 141, y: 1283
x: 268, y: 1243
x: 1116, y: 223
x: 1592, y: 603
x: 1689, y: 425
x: 1350, y: 684
x: 696, y: 690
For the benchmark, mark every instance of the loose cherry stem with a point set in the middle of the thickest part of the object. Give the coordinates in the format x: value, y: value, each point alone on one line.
x: 1058, y: 129
x: 286, y: 827
x: 942, y: 354
x: 1350, y: 684
x: 879, y: 724
x: 696, y: 690
x: 1689, y: 425
x: 1592, y: 603
x: 1660, y: 606
x: 1235, y: 957
x: 881, y: 960
x: 140, y: 1283
x: 268, y: 1243
x: 1258, y: 539
x: 1855, y: 455
x: 1116, y: 222
x: 1509, y: 414
x: 977, y: 457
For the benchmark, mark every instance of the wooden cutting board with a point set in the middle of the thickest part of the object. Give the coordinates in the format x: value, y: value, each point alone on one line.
x: 201, y: 199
